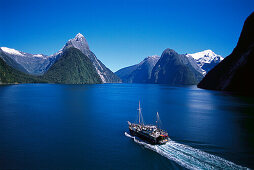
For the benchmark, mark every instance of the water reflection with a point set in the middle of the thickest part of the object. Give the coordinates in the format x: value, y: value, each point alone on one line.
x: 65, y: 126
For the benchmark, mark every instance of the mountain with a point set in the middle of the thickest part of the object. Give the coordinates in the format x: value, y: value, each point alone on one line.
x: 174, y: 69
x: 38, y: 64
x: 235, y: 72
x: 35, y: 64
x: 73, y: 67
x: 11, y: 62
x: 139, y: 73
x: 125, y: 72
x: 10, y: 75
x: 206, y: 60
x: 106, y: 75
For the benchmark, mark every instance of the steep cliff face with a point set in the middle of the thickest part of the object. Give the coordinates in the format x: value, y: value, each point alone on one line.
x: 174, y: 69
x: 106, y: 75
x: 73, y: 67
x: 235, y: 72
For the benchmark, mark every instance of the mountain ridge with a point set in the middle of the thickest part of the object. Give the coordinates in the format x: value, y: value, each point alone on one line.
x: 235, y: 71
x: 38, y: 64
x: 34, y: 64
x: 138, y: 73
x: 9, y: 75
x: 73, y: 67
x: 174, y: 69
x: 106, y: 75
x: 206, y: 60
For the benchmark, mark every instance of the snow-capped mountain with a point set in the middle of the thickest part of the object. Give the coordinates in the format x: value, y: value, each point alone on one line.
x: 38, y: 64
x: 138, y: 73
x: 35, y: 64
x: 79, y: 42
x: 206, y: 60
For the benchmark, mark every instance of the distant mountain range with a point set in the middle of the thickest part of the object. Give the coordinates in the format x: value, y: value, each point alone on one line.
x: 35, y: 64
x: 10, y: 75
x: 38, y: 65
x: 139, y: 73
x: 171, y: 68
x: 235, y: 71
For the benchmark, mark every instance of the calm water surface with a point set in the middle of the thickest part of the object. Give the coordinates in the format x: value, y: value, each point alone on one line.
x: 84, y: 126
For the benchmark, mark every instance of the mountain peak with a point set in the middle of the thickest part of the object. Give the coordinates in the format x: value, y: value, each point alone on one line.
x: 79, y: 36
x: 206, y: 53
x: 206, y: 59
x: 78, y: 42
x: 169, y: 50
x: 209, y: 52
x: 150, y: 59
x: 169, y: 53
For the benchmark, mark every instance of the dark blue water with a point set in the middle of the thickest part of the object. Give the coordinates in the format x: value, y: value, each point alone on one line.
x: 83, y: 126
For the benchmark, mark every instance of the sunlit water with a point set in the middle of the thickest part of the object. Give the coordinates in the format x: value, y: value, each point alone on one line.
x: 85, y: 127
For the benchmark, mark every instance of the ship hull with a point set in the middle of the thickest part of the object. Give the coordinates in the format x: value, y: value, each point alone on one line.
x: 149, y: 139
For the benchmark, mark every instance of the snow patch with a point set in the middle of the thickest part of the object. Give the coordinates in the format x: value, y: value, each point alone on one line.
x: 38, y: 55
x: 206, y: 56
x: 11, y: 51
x: 154, y: 57
x: 79, y: 35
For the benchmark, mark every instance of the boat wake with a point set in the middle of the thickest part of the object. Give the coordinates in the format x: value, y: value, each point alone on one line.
x: 188, y: 157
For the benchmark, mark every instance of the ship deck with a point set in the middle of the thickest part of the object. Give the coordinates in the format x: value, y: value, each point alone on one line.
x: 150, y: 130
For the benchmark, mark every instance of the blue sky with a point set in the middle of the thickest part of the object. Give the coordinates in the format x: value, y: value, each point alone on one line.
x: 122, y: 33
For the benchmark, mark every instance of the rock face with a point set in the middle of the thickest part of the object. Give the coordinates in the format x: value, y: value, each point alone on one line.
x: 9, y: 75
x: 73, y: 67
x: 235, y: 71
x: 106, y: 75
x: 139, y: 73
x: 35, y: 64
x: 174, y: 69
x: 206, y: 60
x: 38, y: 64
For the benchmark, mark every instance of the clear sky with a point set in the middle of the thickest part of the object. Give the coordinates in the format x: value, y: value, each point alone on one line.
x: 124, y: 32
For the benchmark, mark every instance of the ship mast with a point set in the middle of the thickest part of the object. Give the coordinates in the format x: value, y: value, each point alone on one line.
x: 140, y: 117
x: 139, y: 111
x: 158, y: 122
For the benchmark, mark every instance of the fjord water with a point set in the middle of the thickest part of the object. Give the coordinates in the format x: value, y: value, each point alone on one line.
x: 85, y: 127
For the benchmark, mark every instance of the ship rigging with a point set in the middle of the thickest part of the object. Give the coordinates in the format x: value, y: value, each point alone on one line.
x: 150, y: 133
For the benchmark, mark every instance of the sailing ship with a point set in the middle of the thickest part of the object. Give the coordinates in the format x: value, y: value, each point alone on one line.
x: 153, y: 134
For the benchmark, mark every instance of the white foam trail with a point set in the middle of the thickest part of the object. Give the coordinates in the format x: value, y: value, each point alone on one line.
x: 189, y: 157
x: 126, y: 134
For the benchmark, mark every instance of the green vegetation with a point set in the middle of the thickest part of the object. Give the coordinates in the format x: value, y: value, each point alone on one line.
x: 73, y: 67
x: 10, y: 75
